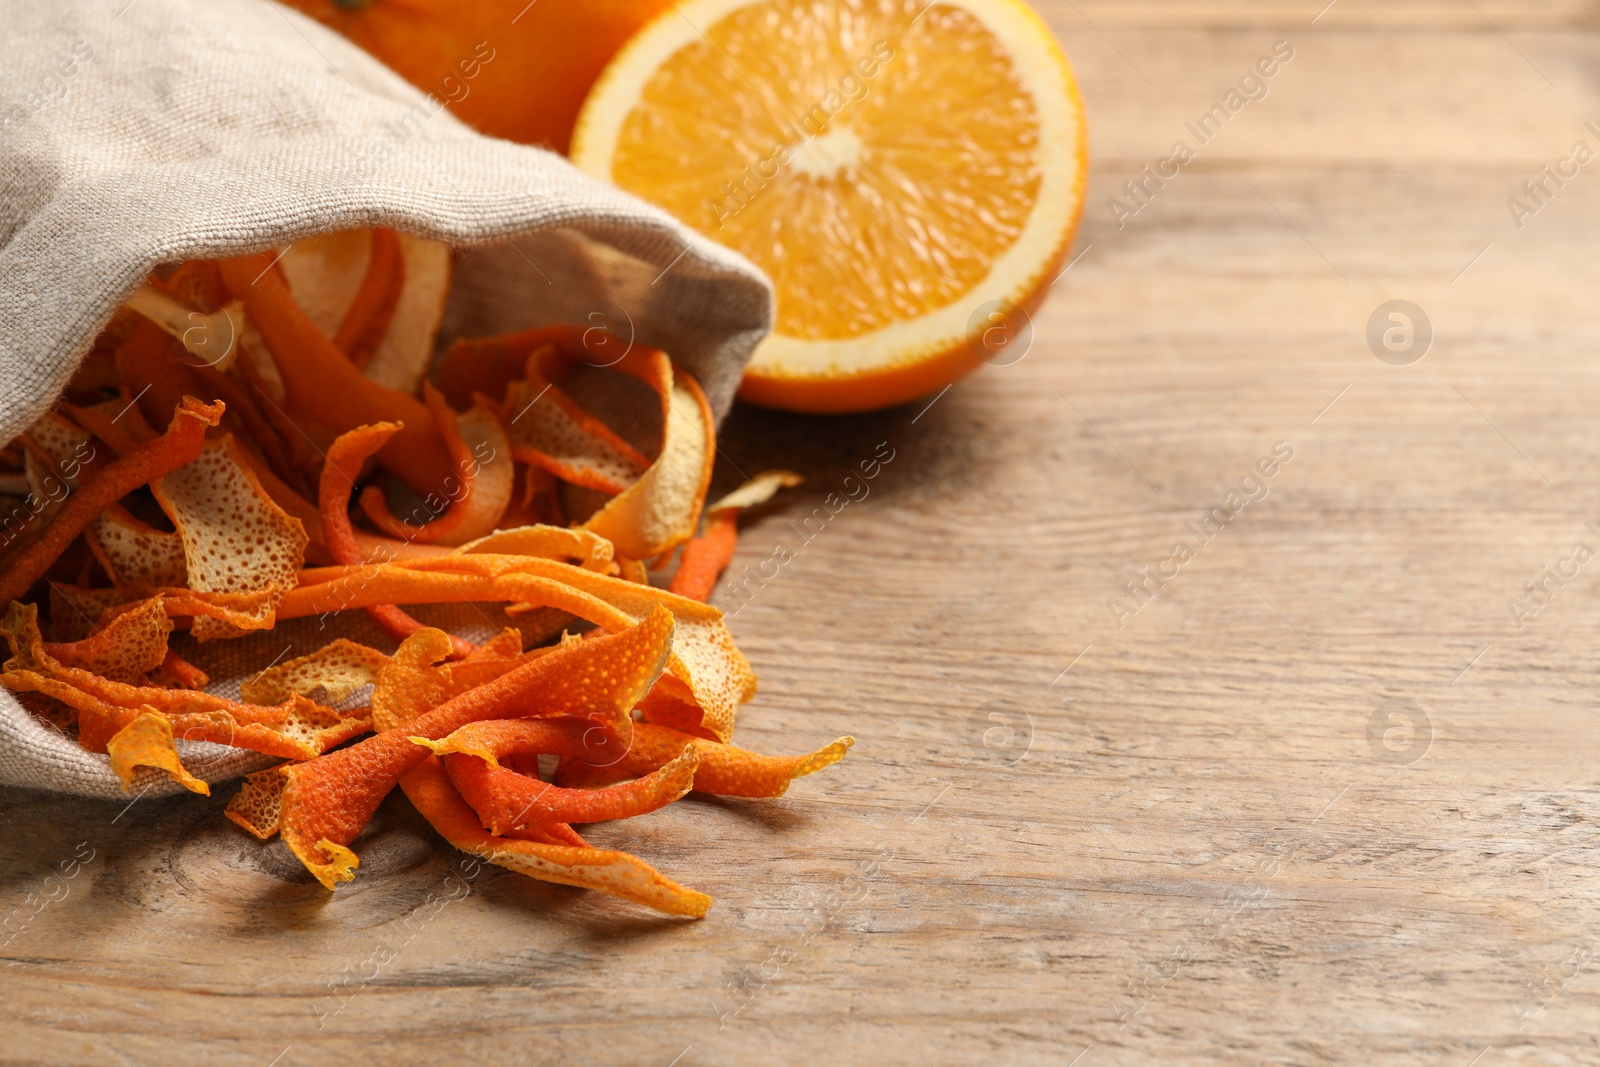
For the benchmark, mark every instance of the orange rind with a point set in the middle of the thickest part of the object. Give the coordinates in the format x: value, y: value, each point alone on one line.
x: 147, y: 742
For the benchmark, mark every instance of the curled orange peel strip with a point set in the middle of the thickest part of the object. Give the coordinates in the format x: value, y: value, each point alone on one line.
x: 147, y: 742
x: 661, y: 509
x: 715, y: 675
x: 506, y: 800
x: 326, y: 386
x: 724, y: 770
x: 474, y: 497
x: 126, y: 649
x: 549, y: 430
x: 179, y: 445
x: 339, y: 472
x: 78, y: 610
x: 333, y: 797
x: 366, y: 320
x: 617, y: 873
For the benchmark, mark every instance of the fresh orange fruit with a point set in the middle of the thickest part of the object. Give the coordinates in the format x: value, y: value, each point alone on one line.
x: 909, y: 174
x: 514, y: 69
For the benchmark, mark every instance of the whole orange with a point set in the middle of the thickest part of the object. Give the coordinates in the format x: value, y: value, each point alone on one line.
x: 514, y: 69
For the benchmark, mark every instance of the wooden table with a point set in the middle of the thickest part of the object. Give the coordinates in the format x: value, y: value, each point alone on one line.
x: 1319, y: 799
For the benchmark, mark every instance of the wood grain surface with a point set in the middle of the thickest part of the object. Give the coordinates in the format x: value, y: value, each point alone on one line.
x: 1321, y: 799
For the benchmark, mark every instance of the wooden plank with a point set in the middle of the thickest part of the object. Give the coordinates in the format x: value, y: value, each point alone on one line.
x: 1205, y: 836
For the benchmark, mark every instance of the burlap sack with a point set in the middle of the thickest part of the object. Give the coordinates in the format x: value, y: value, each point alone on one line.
x: 151, y: 131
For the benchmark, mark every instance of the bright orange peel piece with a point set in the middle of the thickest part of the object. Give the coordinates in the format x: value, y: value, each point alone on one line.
x: 332, y: 798
x: 147, y: 742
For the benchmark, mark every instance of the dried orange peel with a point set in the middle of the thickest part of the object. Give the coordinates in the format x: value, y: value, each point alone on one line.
x: 147, y: 742
x: 239, y: 517
x: 708, y: 555
x: 506, y: 800
x: 723, y: 769
x: 330, y: 799
x: 430, y: 790
x: 715, y: 675
x: 181, y: 444
x: 236, y: 539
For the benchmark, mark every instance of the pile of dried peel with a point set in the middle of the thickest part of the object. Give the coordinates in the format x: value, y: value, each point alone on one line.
x: 200, y: 474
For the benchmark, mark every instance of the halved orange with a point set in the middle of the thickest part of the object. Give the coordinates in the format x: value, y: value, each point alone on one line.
x: 909, y: 174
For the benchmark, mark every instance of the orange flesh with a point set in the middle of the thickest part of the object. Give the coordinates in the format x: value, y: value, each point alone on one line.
x: 924, y: 224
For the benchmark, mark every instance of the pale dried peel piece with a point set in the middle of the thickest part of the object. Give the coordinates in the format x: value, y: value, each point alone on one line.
x: 430, y: 790
x: 236, y: 539
x: 129, y: 647
x: 256, y: 805
x: 548, y: 429
x: 338, y: 669
x: 402, y: 358
x: 661, y: 509
x: 591, y: 551
x: 716, y: 674
x: 132, y: 551
x: 147, y: 742
x: 333, y: 797
x: 67, y: 447
x: 325, y: 272
x: 758, y: 490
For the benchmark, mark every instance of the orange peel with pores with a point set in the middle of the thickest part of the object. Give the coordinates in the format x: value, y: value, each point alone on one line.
x: 724, y: 770
x: 132, y: 551
x: 338, y: 669
x: 431, y: 792
x: 297, y: 728
x: 256, y: 805
x: 506, y: 800
x: 330, y: 799
x: 236, y: 539
x: 147, y: 742
x: 474, y: 497
x: 126, y: 649
x: 548, y: 429
x: 181, y: 444
x: 339, y: 472
x: 589, y: 550
x: 714, y: 675
x: 76, y: 611
x: 660, y: 510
